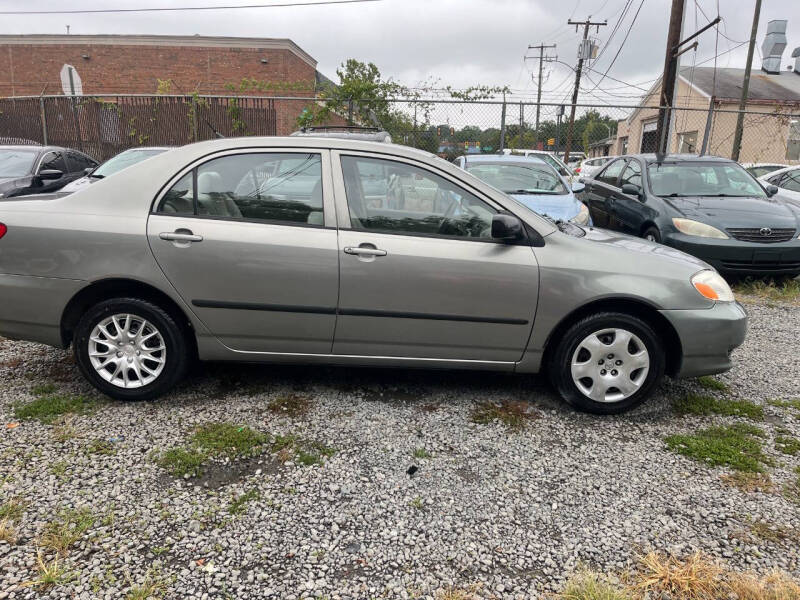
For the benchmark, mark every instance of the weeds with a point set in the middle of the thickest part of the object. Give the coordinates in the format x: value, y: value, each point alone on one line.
x: 694, y: 578
x: 711, y: 383
x: 153, y: 587
x: 47, y: 408
x: 239, y: 505
x: 421, y: 453
x: 588, y: 585
x: 786, y: 291
x: 291, y: 405
x: 103, y: 447
x: 61, y: 534
x: 787, y: 445
x: 7, y: 533
x: 772, y: 532
x: 51, y: 574
x: 702, y: 404
x: 417, y: 503
x: 513, y: 414
x: 736, y: 446
x: 182, y: 462
x: 794, y: 403
x: 749, y: 482
x: 13, y: 509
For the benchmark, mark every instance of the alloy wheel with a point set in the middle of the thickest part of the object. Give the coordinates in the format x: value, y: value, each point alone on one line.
x: 127, y: 351
x: 610, y: 365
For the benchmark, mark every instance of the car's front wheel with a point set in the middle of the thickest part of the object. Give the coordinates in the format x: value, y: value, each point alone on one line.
x: 652, y: 234
x: 607, y: 363
x: 130, y: 349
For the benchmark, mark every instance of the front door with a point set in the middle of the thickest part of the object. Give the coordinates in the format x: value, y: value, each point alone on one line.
x: 248, y: 240
x: 421, y: 276
x: 628, y: 212
x: 599, y: 193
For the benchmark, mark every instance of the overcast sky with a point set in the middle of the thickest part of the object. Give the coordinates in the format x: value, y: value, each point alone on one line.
x: 454, y: 42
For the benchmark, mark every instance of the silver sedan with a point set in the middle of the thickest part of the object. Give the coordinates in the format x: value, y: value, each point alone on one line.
x: 332, y: 251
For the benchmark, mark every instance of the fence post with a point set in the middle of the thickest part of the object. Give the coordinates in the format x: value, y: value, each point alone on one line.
x: 194, y: 118
x: 521, y: 125
x: 709, y: 119
x: 43, y: 119
x: 503, y: 125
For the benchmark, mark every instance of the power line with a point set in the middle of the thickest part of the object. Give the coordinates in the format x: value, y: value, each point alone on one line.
x: 176, y: 8
x: 622, y: 45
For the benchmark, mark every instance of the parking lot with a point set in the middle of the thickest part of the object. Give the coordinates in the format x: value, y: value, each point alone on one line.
x: 357, y: 483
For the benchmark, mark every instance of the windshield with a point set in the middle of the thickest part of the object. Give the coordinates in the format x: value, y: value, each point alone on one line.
x: 16, y: 163
x: 519, y: 179
x: 702, y: 179
x: 124, y: 160
x: 765, y: 170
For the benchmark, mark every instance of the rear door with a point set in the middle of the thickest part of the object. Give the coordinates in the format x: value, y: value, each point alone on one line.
x: 248, y: 239
x: 599, y: 191
x: 421, y: 276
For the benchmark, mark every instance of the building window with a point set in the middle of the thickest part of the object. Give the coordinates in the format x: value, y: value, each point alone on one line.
x: 623, y: 145
x: 687, y: 142
x: 649, y: 137
x: 793, y: 144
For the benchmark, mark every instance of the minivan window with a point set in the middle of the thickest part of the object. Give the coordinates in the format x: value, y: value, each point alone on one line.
x: 410, y: 200
x: 518, y: 178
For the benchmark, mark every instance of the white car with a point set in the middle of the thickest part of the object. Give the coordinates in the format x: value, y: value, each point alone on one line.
x: 590, y: 166
x: 787, y: 181
x: 551, y: 159
x: 758, y: 170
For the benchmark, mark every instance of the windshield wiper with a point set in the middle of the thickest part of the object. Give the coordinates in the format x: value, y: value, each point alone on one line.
x: 542, y: 192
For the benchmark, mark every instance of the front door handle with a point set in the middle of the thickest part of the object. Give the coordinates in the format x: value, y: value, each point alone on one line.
x: 180, y: 235
x: 364, y: 251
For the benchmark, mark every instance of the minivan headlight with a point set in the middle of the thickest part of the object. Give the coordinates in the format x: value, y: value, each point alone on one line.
x: 711, y: 285
x: 582, y: 218
x: 699, y: 229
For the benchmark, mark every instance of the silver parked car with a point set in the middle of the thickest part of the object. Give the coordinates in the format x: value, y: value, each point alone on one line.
x: 312, y: 250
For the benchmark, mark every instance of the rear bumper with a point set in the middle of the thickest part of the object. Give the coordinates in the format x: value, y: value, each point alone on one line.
x: 31, y: 307
x: 708, y: 336
x: 740, y: 258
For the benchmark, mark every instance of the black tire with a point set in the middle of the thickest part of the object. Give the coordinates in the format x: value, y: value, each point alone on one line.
x: 561, y: 361
x: 175, y: 341
x: 654, y: 232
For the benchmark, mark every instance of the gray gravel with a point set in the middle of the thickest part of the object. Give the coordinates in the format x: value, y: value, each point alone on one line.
x: 508, y: 515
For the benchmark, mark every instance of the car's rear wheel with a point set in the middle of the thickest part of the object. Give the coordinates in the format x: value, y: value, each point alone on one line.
x: 652, y: 234
x: 607, y: 363
x: 130, y: 349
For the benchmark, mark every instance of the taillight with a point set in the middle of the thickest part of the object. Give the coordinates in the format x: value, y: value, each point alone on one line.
x: 3, y: 230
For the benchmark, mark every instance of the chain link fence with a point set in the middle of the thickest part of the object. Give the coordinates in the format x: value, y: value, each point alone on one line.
x: 105, y: 125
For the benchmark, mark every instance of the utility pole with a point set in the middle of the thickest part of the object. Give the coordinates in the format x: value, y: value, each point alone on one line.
x: 737, y: 136
x: 670, y: 74
x: 582, y: 55
x: 542, y: 59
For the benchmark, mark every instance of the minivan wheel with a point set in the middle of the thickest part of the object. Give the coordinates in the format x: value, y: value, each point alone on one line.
x: 652, y: 234
x: 607, y: 363
x: 130, y: 349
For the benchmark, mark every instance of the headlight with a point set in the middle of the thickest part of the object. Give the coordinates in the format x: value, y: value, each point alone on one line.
x: 582, y: 218
x: 711, y: 285
x: 697, y: 228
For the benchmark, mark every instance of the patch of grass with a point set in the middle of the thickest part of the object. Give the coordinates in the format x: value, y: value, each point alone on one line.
x: 239, y: 505
x: 736, y: 446
x: 44, y: 389
x: 51, y: 574
x: 7, y: 533
x: 283, y: 442
x: 13, y: 509
x: 417, y: 503
x: 794, y: 403
x: 421, y: 453
x: 710, y: 383
x: 64, y: 430
x: 47, y: 408
x: 589, y: 585
x: 769, y: 289
x: 68, y: 528
x: 772, y: 532
x: 513, y: 414
x: 787, y: 445
x: 291, y: 405
x: 59, y: 468
x: 103, y: 447
x: 452, y: 593
x: 305, y: 452
x: 152, y: 588
x: 693, y: 578
x: 749, y: 482
x: 234, y: 441
x: 775, y: 586
x: 181, y: 462
x: 703, y: 404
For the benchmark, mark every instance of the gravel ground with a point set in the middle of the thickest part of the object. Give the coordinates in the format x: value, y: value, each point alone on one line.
x: 506, y: 514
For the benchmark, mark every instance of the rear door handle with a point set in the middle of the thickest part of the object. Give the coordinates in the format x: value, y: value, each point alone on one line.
x: 361, y: 251
x: 180, y: 236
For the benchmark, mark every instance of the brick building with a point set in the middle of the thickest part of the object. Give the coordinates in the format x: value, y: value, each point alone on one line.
x: 133, y: 64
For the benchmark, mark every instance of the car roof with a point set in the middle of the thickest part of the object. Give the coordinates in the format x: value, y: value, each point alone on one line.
x: 25, y: 147
x: 512, y: 158
x: 676, y: 158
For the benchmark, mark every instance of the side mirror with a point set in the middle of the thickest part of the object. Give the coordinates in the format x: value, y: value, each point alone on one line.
x: 632, y: 190
x: 50, y: 174
x: 579, y: 186
x: 506, y: 227
x: 88, y: 170
x: 771, y: 190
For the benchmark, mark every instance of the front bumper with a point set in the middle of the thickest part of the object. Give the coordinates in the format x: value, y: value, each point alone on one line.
x: 733, y: 257
x: 708, y: 336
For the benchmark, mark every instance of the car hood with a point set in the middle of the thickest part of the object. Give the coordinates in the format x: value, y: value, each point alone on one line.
x: 563, y: 207
x: 79, y: 184
x: 28, y: 197
x: 738, y: 212
x: 631, y: 244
